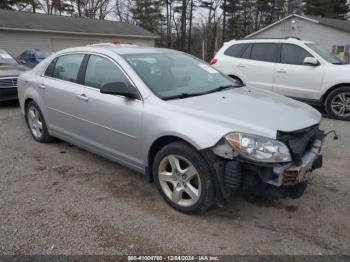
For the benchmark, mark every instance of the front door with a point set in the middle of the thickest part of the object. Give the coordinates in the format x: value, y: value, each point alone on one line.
x: 110, y: 123
x: 295, y: 79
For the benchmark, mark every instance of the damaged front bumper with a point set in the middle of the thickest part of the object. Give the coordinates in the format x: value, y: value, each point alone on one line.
x: 291, y: 174
x: 275, y: 181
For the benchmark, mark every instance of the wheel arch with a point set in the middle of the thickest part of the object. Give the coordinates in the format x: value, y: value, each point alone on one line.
x: 330, y: 90
x: 236, y: 77
x: 157, y: 145
x: 26, y: 103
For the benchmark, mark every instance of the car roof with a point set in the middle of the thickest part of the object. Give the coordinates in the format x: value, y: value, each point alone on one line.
x: 119, y: 49
x: 270, y: 40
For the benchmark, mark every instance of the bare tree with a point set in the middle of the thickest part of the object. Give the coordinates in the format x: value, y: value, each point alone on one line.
x: 122, y: 10
x: 210, y: 26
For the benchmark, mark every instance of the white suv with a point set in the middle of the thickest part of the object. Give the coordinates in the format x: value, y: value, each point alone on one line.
x: 291, y: 67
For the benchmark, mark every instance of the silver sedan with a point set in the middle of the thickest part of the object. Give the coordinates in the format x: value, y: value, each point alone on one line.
x: 195, y: 132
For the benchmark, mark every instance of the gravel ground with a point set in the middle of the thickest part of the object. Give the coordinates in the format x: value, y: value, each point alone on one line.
x: 59, y: 199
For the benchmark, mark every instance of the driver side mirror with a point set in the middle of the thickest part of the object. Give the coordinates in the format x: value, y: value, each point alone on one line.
x: 311, y: 61
x: 121, y: 89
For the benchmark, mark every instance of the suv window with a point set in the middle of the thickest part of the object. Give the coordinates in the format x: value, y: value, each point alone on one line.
x: 247, y: 52
x: 100, y: 71
x: 236, y: 50
x: 67, y: 67
x: 293, y: 54
x: 264, y: 52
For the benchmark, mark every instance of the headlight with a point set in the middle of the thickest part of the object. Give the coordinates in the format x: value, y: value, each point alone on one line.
x: 260, y: 149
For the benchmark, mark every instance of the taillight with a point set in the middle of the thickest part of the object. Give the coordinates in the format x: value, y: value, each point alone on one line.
x: 213, y: 61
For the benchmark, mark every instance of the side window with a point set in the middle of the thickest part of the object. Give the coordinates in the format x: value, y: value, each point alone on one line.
x: 100, y: 71
x: 247, y: 52
x: 264, y: 52
x: 49, y: 69
x: 25, y: 55
x: 67, y: 67
x: 236, y: 50
x: 293, y: 54
x: 31, y: 55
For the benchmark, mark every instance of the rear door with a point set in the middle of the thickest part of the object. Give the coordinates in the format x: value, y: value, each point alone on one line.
x: 61, y: 91
x: 295, y: 79
x: 230, y: 63
x: 110, y: 123
x: 258, y: 63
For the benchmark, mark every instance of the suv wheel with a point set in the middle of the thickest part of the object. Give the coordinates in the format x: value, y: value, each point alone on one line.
x: 36, y: 123
x: 182, y: 178
x: 338, y: 103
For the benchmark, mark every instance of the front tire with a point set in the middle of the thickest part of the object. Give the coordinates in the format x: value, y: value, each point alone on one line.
x: 36, y: 123
x: 183, y: 179
x: 337, y: 103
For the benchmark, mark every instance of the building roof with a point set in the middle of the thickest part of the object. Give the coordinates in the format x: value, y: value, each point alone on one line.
x: 35, y: 22
x: 336, y: 23
x: 343, y: 25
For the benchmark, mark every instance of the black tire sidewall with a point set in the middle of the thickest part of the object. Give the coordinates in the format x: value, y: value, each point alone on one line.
x: 329, y: 99
x: 192, y: 155
x: 45, y: 138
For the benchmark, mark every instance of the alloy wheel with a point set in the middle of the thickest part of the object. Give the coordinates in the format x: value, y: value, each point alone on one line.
x: 35, y: 122
x: 341, y: 104
x: 179, y: 180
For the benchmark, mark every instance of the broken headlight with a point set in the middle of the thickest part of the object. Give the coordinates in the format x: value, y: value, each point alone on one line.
x: 259, y: 149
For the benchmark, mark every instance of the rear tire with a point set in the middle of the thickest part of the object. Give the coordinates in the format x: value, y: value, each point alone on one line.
x: 337, y: 104
x: 183, y: 179
x: 36, y: 123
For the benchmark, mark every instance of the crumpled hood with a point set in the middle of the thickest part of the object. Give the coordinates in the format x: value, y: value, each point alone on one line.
x: 12, y: 70
x: 249, y: 110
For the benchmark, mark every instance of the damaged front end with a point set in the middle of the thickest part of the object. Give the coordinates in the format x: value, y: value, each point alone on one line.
x: 272, y: 168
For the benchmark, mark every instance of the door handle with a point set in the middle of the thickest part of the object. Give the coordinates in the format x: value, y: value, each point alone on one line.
x: 282, y: 71
x: 83, y: 97
x: 241, y: 65
x: 42, y: 86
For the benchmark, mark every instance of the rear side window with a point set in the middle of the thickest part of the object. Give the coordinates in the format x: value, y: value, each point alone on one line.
x: 49, y: 69
x: 236, y: 50
x: 293, y: 54
x: 101, y: 71
x: 67, y: 67
x: 264, y: 52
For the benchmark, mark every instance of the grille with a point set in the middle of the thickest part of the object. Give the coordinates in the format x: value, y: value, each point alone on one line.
x: 299, y: 141
x: 8, y: 82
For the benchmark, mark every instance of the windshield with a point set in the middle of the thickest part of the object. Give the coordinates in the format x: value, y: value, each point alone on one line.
x: 177, y: 75
x: 42, y: 54
x: 330, y: 58
x: 6, y: 59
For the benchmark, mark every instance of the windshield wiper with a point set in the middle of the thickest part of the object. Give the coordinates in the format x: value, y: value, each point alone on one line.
x: 186, y: 95
x: 220, y: 88
x: 182, y: 96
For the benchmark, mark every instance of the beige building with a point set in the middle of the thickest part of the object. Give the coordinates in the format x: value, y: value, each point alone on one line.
x: 20, y: 31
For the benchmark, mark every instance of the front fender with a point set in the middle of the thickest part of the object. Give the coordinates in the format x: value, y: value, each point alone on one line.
x: 199, y: 133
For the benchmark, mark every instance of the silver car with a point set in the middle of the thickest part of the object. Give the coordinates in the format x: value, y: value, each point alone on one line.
x: 196, y: 133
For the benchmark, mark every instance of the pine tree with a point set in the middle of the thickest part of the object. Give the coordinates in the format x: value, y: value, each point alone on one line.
x: 147, y: 14
x: 327, y: 8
